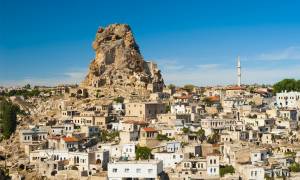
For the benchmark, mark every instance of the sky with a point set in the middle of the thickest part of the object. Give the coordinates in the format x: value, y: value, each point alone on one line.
x: 192, y: 41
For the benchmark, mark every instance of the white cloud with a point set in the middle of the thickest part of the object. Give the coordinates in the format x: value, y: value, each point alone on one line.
x: 290, y: 53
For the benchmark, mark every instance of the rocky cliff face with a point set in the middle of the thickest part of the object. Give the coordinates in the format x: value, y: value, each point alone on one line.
x: 119, y: 66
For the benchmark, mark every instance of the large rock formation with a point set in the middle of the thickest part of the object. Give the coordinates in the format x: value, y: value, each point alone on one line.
x: 119, y: 68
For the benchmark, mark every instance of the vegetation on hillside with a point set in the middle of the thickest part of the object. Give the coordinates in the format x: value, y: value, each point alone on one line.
x: 107, y: 136
x: 142, y: 153
x: 201, y: 134
x: 295, y: 167
x: 189, y: 87
x: 214, y: 138
x: 226, y: 170
x: 22, y: 92
x: 163, y: 137
x: 286, y: 84
x: 8, y: 117
x: 119, y: 99
x: 171, y: 86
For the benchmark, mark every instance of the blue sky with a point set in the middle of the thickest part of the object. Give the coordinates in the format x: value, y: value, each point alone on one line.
x: 49, y: 42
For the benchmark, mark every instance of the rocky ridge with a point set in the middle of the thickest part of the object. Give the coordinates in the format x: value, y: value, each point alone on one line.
x: 118, y: 67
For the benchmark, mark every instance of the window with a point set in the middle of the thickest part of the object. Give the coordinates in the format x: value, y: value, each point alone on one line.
x: 115, y: 170
x: 126, y: 170
x: 150, y: 170
x: 138, y: 170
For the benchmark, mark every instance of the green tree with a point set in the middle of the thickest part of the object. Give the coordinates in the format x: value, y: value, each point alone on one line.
x: 119, y: 99
x: 201, y: 135
x: 163, y: 137
x: 295, y: 167
x: 107, y: 136
x: 185, y: 130
x: 27, y: 86
x: 214, y: 138
x: 207, y: 101
x: 142, y: 153
x: 171, y: 86
x: 286, y: 84
x: 189, y: 87
x: 226, y: 169
x: 168, y: 108
x: 8, y: 118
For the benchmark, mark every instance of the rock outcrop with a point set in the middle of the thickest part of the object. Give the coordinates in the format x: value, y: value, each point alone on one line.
x: 119, y: 67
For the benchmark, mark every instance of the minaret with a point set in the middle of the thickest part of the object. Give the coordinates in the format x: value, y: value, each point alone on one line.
x: 239, y: 71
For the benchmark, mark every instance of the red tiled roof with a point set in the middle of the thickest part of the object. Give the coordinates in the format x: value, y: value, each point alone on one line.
x: 214, y: 98
x: 149, y: 129
x: 54, y: 137
x: 70, y: 139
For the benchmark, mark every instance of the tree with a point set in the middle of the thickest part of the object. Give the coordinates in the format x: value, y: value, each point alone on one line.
x: 163, y: 137
x: 201, y: 135
x: 171, y: 86
x: 108, y: 136
x: 8, y: 118
x: 226, y: 169
x: 168, y: 108
x: 295, y: 167
x: 119, y: 99
x: 27, y: 86
x: 286, y: 84
x: 207, y: 101
x: 185, y: 130
x: 189, y: 87
x: 142, y: 153
x: 213, y: 138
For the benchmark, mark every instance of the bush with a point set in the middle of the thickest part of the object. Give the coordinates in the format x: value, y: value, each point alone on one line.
x: 108, y: 136
x: 162, y: 137
x: 214, y: 138
x: 142, y: 153
x: 226, y: 170
x: 185, y: 130
x: 295, y: 167
x: 119, y: 99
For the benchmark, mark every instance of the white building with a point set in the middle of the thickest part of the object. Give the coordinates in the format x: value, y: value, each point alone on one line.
x: 258, y: 155
x: 170, y: 160
x: 251, y: 172
x: 33, y: 135
x: 134, y: 169
x: 288, y: 99
x: 128, y: 151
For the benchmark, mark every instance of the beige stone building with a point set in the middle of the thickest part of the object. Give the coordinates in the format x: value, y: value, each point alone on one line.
x: 148, y: 137
x: 145, y: 110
